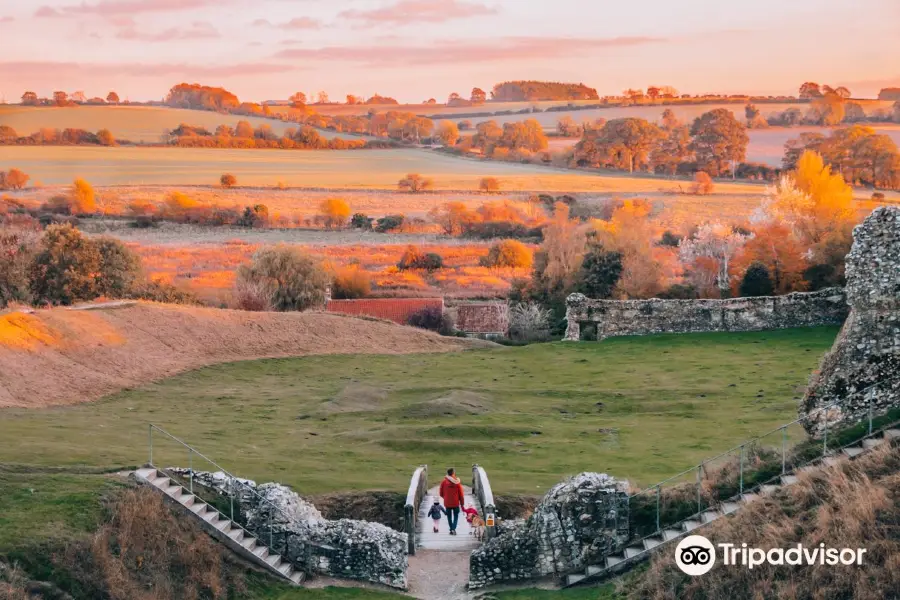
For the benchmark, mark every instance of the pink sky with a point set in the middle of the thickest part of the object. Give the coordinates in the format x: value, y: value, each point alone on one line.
x: 416, y: 49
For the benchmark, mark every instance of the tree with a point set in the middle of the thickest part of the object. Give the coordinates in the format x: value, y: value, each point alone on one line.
x: 756, y: 281
x: 112, y: 98
x: 774, y: 246
x: 672, y: 150
x: 479, y: 96
x: 557, y: 264
x: 567, y: 127
x: 228, y: 180
x: 119, y: 268
x: 653, y: 92
x: 84, y: 200
x: 30, y: 99
x: 719, y: 141
x: 453, y: 99
x: 336, y: 212
x: 106, y: 138
x: 413, y: 258
x: 61, y: 98
x: 351, y: 99
x: 8, y: 135
x: 322, y: 98
x: 299, y: 98
x: 447, y: 133
x: 622, y: 144
x: 254, y: 216
x: 508, y: 254
x: 350, y: 283
x: 843, y: 92
x: 244, y: 129
x: 876, y: 155
x: 361, y: 221
x: 66, y: 267
x: 417, y: 128
x: 631, y: 232
x: 286, y: 278
x: 717, y: 242
x: 828, y: 110
x: 600, y: 272
x: 488, y: 133
x: 415, y: 183
x: 528, y: 135
x: 810, y: 90
x: 14, y: 179
x: 17, y: 249
x: 454, y: 217
x: 489, y: 185
x: 669, y: 121
x: 703, y: 184
x: 528, y: 321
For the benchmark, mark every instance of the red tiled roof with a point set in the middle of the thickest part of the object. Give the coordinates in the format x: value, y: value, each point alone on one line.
x: 492, y: 317
x: 397, y: 310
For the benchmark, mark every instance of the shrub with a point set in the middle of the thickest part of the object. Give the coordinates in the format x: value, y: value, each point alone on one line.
x: 228, y: 180
x: 529, y: 321
x: 489, y: 185
x: 106, y: 138
x: 361, y: 221
x: 600, y: 272
x: 414, y: 259
x: 254, y: 216
x: 58, y: 205
x: 84, y: 201
x: 703, y: 184
x: 336, y: 212
x: 286, y: 277
x: 670, y: 240
x: 878, y: 196
x: 757, y: 281
x: 389, y: 223
x: 489, y: 230
x: 432, y: 319
x: 119, y: 268
x: 158, y: 291
x: 351, y: 283
x: 678, y: 291
x: 508, y: 253
x: 14, y: 179
x: 415, y: 183
x: 66, y: 267
x: 17, y: 249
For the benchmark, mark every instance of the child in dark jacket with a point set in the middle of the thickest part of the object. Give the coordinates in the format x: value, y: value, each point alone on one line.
x: 435, y: 513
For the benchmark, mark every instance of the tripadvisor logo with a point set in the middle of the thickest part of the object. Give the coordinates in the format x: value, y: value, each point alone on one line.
x: 696, y: 555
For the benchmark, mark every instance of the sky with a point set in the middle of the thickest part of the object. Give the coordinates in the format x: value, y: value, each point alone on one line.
x: 419, y: 49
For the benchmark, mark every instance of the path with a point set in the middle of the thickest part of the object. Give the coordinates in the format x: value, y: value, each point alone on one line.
x: 442, y: 540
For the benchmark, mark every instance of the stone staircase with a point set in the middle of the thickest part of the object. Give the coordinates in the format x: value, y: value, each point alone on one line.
x: 223, y: 529
x: 642, y: 549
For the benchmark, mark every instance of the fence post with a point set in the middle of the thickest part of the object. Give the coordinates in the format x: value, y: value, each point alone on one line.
x: 270, y: 529
x: 869, y: 406
x: 231, y: 497
x: 742, y: 470
x: 150, y: 429
x: 825, y: 437
x: 699, y: 475
x: 657, y: 507
x: 783, y: 448
x: 191, y: 467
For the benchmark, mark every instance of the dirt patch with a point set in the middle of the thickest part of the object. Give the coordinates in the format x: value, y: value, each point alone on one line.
x: 59, y: 356
x: 456, y: 403
x: 357, y: 397
x: 516, y: 506
x: 386, y: 508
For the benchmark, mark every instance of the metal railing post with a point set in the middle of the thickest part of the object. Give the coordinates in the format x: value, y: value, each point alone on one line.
x: 231, y: 498
x: 150, y: 429
x: 825, y: 437
x: 191, y: 467
x: 742, y: 470
x: 869, y: 408
x: 783, y: 450
x: 699, y: 475
x: 657, y: 507
x: 270, y: 528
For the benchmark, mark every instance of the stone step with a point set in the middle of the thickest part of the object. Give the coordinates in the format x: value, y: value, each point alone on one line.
x: 832, y: 461
x: 210, y: 516
x: 730, y: 507
x: 147, y: 474
x: 852, y: 451
x: 612, y: 561
x: 593, y: 570
x: 574, y: 578
x: 286, y: 570
x: 198, y: 508
x: 274, y: 560
x: 870, y: 443
x: 709, y: 516
x: 651, y: 542
x: 890, y: 434
x: 770, y: 489
x: 671, y: 534
x: 690, y: 524
x: 187, y: 500
x: 237, y: 534
x: 261, y: 552
x: 297, y: 577
x: 633, y: 551
x: 249, y: 543
x: 746, y: 498
x: 173, y: 490
x: 223, y: 526
x: 788, y: 479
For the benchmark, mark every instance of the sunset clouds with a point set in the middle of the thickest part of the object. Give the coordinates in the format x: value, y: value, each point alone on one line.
x: 418, y: 11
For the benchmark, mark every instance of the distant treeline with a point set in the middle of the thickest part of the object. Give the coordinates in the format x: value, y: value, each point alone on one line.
x: 47, y: 136
x: 890, y: 94
x: 517, y: 91
x: 243, y: 135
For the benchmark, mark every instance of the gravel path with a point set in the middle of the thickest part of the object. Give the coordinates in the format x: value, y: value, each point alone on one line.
x: 436, y: 575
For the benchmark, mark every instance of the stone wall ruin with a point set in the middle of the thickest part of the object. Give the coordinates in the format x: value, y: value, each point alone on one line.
x: 863, y: 366
x: 644, y: 317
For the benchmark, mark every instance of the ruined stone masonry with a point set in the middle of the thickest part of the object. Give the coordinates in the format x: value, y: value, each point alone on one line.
x: 644, y: 317
x: 577, y: 523
x: 346, y: 548
x: 864, y: 364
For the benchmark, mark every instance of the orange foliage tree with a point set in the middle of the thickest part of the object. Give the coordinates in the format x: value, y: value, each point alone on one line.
x: 335, y: 211
x: 630, y: 232
x: 508, y: 254
x: 775, y: 246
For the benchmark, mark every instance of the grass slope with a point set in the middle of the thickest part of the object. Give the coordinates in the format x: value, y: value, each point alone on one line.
x: 639, y: 408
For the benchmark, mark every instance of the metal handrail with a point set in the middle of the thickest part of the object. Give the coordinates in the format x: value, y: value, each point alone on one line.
x: 233, y: 480
x: 481, y: 486
x: 418, y: 486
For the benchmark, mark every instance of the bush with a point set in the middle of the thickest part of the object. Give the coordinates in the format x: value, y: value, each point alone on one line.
x: 529, y: 322
x: 336, y: 212
x: 119, y: 268
x: 66, y: 267
x: 106, y: 138
x: 57, y: 205
x: 600, y: 272
x: 254, y: 216
x: 158, y: 291
x: 414, y: 259
x: 389, y: 223
x: 510, y: 254
x: 878, y: 196
x: 84, y: 201
x: 489, y: 185
x: 17, y: 249
x: 415, y: 183
x: 432, y: 319
x: 285, y: 277
x: 490, y: 230
x: 670, y: 240
x: 757, y: 281
x: 361, y: 221
x: 703, y: 184
x: 14, y: 179
x: 351, y: 283
x: 228, y: 180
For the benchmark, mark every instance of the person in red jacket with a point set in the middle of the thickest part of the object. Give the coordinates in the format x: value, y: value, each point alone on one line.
x: 451, y: 492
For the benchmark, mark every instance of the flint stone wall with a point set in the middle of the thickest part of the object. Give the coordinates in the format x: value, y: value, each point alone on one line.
x: 577, y: 523
x: 345, y: 548
x: 644, y: 317
x: 863, y: 366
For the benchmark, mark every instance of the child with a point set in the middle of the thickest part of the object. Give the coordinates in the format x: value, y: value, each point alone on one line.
x: 470, y: 513
x: 435, y: 513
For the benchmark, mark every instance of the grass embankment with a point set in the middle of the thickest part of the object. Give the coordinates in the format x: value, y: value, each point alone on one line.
x: 638, y: 408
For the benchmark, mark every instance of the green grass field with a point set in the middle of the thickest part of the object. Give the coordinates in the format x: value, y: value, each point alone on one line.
x: 637, y: 408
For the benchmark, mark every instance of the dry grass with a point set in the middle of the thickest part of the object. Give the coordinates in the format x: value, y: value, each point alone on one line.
x: 82, y: 355
x: 852, y: 505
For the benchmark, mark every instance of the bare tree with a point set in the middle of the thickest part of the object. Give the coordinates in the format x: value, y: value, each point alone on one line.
x: 718, y: 242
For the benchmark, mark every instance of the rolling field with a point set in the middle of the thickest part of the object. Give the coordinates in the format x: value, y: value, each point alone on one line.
x: 638, y: 408
x: 133, y: 123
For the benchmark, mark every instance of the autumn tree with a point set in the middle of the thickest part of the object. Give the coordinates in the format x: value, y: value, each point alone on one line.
x: 244, y: 129
x: 716, y: 242
x: 298, y: 99
x: 106, y: 138
x: 828, y: 110
x: 488, y: 133
x: 447, y: 133
x: 810, y: 90
x: 285, y: 278
x: 60, y: 98
x: 415, y: 183
x: 479, y: 96
x: 528, y: 135
x: 335, y: 211
x: 774, y: 246
x: 228, y: 180
x: 672, y: 150
x: 17, y: 249
x: 719, y: 141
x: 30, y: 99
x: 14, y: 179
x: 489, y: 185
x: 556, y: 265
x: 567, y: 127
x: 621, y: 144
x: 112, y: 98
x: 630, y: 232
x: 413, y: 258
x: 84, y: 199
x: 66, y: 268
x: 703, y: 184
x: 455, y: 218
x: 508, y: 254
x: 351, y: 283
x: 669, y: 120
x: 322, y: 97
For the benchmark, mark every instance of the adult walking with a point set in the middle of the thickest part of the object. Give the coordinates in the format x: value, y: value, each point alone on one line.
x: 453, y: 495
